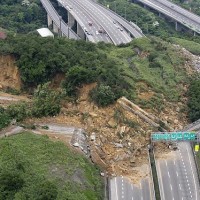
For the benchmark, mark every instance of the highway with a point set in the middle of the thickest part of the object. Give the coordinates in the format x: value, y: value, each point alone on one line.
x: 116, y: 32
x: 175, y: 12
x: 133, y: 29
x: 114, y: 29
x: 83, y: 18
x: 122, y: 189
x: 178, y: 178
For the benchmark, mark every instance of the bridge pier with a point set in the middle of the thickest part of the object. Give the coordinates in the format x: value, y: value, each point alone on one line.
x: 71, y: 20
x: 177, y: 26
x: 55, y: 28
x: 80, y: 31
x: 49, y: 21
x: 161, y: 15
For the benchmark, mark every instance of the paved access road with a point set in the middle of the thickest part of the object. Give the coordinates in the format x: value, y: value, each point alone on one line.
x: 122, y: 189
x: 178, y: 176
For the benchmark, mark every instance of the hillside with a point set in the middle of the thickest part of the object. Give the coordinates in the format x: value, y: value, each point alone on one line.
x: 34, y: 167
x: 152, y: 73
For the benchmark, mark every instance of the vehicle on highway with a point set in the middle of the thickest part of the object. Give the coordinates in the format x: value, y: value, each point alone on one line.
x: 85, y: 29
x: 90, y: 23
x: 101, y: 30
x: 121, y: 29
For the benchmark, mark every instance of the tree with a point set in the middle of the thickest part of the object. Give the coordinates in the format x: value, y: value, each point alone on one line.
x: 10, y: 183
x: 75, y: 77
x: 46, y: 101
x: 18, y: 111
x: 4, y: 118
x: 103, y: 95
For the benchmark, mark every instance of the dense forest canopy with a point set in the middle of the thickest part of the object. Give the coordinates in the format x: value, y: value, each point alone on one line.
x: 22, y: 17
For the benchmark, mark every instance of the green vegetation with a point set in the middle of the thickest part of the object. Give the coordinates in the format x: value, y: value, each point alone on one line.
x: 152, y: 64
x: 143, y: 64
x: 191, y: 46
x: 4, y: 118
x: 193, y: 5
x: 23, y: 18
x: 46, y: 102
x: 103, y: 95
x: 34, y: 167
x: 194, y: 100
x: 149, y: 21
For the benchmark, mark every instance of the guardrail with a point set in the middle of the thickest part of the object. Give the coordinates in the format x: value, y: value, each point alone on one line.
x: 154, y: 175
x: 151, y: 174
x: 196, y: 163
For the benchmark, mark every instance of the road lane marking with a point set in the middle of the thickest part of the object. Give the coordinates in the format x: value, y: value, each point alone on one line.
x: 141, y: 190
x: 192, y: 171
x: 162, y: 189
x: 116, y: 188
x: 171, y: 186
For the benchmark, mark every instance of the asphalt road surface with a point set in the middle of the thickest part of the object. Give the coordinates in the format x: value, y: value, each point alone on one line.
x: 89, y: 11
x: 122, y: 189
x: 178, y: 176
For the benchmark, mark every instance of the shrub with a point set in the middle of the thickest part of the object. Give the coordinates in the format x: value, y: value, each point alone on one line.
x: 102, y: 95
x: 194, y: 100
x: 4, y: 118
x: 46, y: 101
x: 18, y: 111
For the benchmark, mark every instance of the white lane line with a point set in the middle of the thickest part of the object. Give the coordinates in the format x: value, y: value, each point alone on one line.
x: 141, y: 190
x: 116, y: 188
x: 160, y: 177
x: 192, y: 171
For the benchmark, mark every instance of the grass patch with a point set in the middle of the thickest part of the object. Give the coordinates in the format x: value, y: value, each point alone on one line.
x: 191, y: 46
x: 37, y: 160
x: 153, y: 62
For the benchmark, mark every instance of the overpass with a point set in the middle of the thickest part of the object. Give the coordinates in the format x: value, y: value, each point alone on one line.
x: 93, y: 22
x: 55, y: 20
x: 174, y: 12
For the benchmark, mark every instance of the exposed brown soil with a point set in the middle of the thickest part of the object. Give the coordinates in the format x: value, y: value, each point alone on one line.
x: 121, y: 137
x: 9, y: 76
